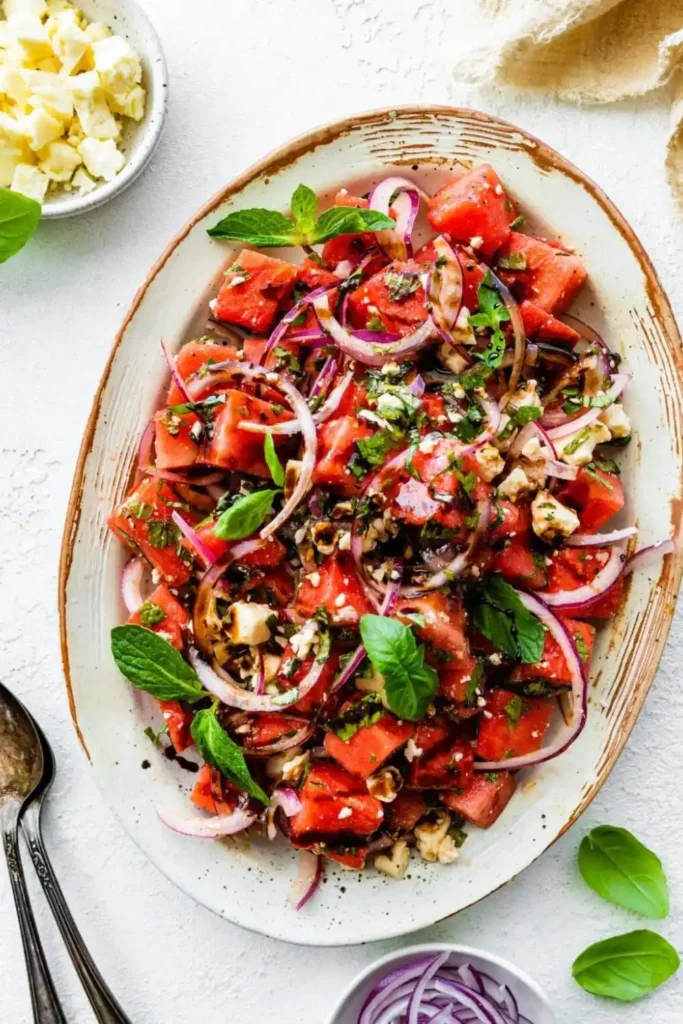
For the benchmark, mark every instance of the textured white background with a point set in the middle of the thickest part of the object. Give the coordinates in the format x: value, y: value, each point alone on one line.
x: 246, y: 75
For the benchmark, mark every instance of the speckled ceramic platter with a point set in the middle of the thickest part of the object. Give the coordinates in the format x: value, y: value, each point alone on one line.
x: 248, y: 884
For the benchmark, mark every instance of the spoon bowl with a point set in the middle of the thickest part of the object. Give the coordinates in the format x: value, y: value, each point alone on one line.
x: 21, y: 756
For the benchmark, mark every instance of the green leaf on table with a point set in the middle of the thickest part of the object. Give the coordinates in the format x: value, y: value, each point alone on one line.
x: 216, y: 747
x: 619, y: 868
x: 154, y: 665
x: 410, y: 685
x: 19, y: 218
x: 245, y: 516
x: 626, y: 967
x: 499, y: 614
x: 272, y: 461
x: 268, y: 228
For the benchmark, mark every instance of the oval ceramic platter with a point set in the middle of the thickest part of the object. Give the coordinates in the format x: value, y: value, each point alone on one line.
x: 248, y: 883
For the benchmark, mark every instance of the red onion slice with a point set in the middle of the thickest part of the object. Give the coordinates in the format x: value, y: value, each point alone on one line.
x: 371, y: 355
x: 575, y: 423
x: 561, y: 470
x: 193, y: 539
x: 530, y: 430
x: 285, y: 742
x: 288, y: 427
x: 519, y: 336
x: 396, y: 244
x: 598, y: 540
x: 145, y: 449
x: 459, y: 563
x: 308, y: 878
x: 279, y: 332
x: 178, y: 380
x: 570, y: 732
x: 221, y: 684
x: 208, y: 828
x: 445, y: 288
x: 131, y: 581
x: 419, y: 990
x: 261, y: 677
x: 177, y: 477
x: 584, y: 596
x: 650, y: 555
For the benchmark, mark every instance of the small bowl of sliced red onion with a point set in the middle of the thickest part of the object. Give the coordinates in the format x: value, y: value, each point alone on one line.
x: 442, y: 984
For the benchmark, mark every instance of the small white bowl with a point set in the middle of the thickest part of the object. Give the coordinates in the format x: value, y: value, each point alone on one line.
x: 126, y: 18
x: 531, y: 999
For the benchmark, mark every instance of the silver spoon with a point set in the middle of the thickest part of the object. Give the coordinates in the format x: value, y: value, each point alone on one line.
x: 37, y: 749
x: 21, y: 766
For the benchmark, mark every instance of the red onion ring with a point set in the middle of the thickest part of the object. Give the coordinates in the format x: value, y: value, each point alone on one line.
x: 279, y: 332
x: 598, y: 540
x: 178, y: 380
x: 573, y: 424
x: 572, y: 731
x: 221, y: 684
x: 288, y: 427
x: 282, y: 798
x: 583, y: 597
x: 194, y: 540
x: 396, y: 244
x: 561, y: 470
x: 518, y: 334
x: 533, y: 429
x: 646, y: 556
x: 202, y: 603
x: 131, y: 580
x: 280, y: 746
x: 457, y: 565
x: 221, y: 372
x: 445, y: 289
x: 145, y: 449
x: 209, y: 828
x: 374, y: 355
x: 309, y: 877
x: 326, y: 375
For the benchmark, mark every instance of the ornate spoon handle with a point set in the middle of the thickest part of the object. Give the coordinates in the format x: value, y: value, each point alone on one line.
x: 46, y: 1008
x: 103, y: 1002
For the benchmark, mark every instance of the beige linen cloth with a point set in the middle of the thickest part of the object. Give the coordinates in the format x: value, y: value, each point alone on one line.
x: 585, y: 51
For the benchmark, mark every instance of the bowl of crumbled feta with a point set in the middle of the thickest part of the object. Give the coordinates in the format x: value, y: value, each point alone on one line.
x: 82, y: 100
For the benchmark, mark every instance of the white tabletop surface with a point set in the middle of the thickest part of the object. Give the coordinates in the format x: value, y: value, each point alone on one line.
x: 246, y: 75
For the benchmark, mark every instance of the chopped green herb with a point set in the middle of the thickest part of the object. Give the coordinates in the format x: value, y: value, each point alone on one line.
x: 374, y: 324
x: 400, y: 285
x: 491, y: 314
x: 151, y: 614
x: 513, y: 261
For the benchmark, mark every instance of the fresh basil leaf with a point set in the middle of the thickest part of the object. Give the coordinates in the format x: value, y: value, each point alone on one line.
x: 154, y: 665
x: 410, y: 685
x: 274, y: 465
x: 626, y: 967
x: 500, y: 615
x: 349, y: 220
x: 620, y: 869
x: 245, y: 516
x: 216, y: 747
x: 265, y: 228
x: 19, y: 218
x: 304, y: 208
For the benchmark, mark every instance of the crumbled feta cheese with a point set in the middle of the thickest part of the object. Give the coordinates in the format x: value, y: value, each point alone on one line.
x: 90, y: 102
x: 495, y: 658
x: 293, y: 769
x: 489, y: 461
x: 504, y: 438
x: 25, y: 8
x: 388, y: 403
x: 412, y: 750
x: 345, y: 540
x: 345, y: 812
x: 40, y: 128
x: 340, y: 601
x: 551, y: 519
x: 30, y: 182
x: 102, y: 159
x: 616, y: 420
x: 119, y: 69
x: 303, y: 641
x: 514, y: 485
x: 69, y: 41
x: 451, y: 359
x: 59, y: 161
x: 395, y: 863
x: 588, y: 437
x: 314, y: 579
x: 248, y: 623
x: 476, y: 242
x: 31, y: 38
x: 532, y: 450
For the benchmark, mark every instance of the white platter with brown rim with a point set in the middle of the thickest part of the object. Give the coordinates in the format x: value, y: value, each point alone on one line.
x: 248, y: 883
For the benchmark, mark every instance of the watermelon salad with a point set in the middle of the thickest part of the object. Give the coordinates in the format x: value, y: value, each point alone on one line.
x: 372, y: 525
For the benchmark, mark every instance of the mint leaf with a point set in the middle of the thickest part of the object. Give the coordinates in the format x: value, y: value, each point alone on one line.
x: 620, y: 869
x: 410, y: 685
x: 304, y: 208
x: 245, y: 516
x: 216, y: 747
x: 272, y: 461
x: 265, y: 228
x: 19, y: 218
x: 154, y: 665
x: 349, y: 220
x: 499, y: 614
x: 626, y: 967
